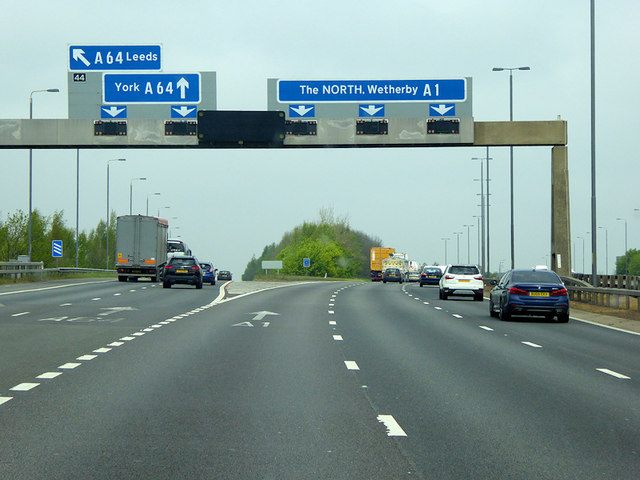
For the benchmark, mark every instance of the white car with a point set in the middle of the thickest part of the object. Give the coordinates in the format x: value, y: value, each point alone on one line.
x: 462, y: 280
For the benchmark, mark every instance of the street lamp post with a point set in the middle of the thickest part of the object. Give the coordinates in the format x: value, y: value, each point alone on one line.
x: 468, y: 243
x: 108, y: 213
x: 148, y: 195
x: 582, y: 238
x: 160, y: 208
x: 482, y: 211
x: 131, y: 193
x: 457, y: 234
x: 50, y: 90
x: 626, y: 257
x: 606, y: 250
x: 478, y: 217
x: 446, y: 239
x: 500, y: 69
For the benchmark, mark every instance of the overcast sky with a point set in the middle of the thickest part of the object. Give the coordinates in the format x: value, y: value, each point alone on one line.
x: 230, y: 203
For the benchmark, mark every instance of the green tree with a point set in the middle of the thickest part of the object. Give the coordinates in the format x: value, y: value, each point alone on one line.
x: 630, y: 258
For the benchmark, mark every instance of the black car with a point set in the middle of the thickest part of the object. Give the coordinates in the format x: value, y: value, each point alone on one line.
x: 182, y: 269
x: 224, y: 275
x: 529, y: 292
x: 430, y: 276
x: 392, y: 275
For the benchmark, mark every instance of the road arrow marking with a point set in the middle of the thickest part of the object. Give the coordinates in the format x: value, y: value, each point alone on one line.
x: 260, y: 315
x: 78, y: 54
x: 441, y: 109
x: 243, y: 324
x: 110, y: 310
x: 183, y: 111
x: 183, y: 84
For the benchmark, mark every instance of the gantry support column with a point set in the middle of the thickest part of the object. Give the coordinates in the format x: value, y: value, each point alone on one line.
x: 560, y: 219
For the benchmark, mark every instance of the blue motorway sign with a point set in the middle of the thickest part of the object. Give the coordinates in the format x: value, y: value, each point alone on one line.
x: 56, y: 248
x: 176, y: 88
x: 371, y: 111
x: 306, y: 262
x: 442, y: 110
x: 85, y: 58
x: 302, y: 111
x: 374, y: 91
x: 113, y: 111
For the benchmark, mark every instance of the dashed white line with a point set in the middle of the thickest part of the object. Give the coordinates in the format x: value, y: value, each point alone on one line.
x: 102, y: 350
x: 20, y: 314
x: 488, y: 329
x: 86, y: 357
x: 438, y: 308
x: 338, y: 338
x: 457, y: 316
x: 69, y: 366
x: 426, y: 303
x: 613, y: 374
x: 65, y: 304
x: 115, y: 344
x: 138, y: 334
x: 24, y: 387
x: 127, y: 339
x: 332, y: 322
x: 531, y: 344
x: 117, y: 294
x: 351, y: 365
x: 48, y: 375
x: 4, y: 399
x: 331, y: 312
x: 393, y: 428
x: 97, y: 298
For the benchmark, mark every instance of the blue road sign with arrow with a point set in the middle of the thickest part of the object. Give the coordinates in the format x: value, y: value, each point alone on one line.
x: 371, y: 111
x: 113, y: 111
x: 442, y: 110
x: 176, y: 88
x: 85, y: 58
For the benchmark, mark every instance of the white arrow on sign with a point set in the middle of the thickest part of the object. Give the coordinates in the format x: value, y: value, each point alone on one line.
x: 183, y: 110
x: 260, y: 315
x: 113, y: 111
x: 78, y: 54
x: 442, y: 109
x: 371, y: 110
x: 183, y: 84
x: 302, y: 110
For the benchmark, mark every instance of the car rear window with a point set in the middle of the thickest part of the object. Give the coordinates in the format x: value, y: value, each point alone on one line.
x: 182, y: 262
x: 432, y: 270
x: 464, y: 270
x: 206, y: 266
x: 535, y: 277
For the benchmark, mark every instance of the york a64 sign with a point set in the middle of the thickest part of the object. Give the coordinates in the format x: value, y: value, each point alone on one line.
x: 125, y: 88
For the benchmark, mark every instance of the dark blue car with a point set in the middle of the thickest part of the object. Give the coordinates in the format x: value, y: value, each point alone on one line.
x: 529, y: 292
x: 208, y: 273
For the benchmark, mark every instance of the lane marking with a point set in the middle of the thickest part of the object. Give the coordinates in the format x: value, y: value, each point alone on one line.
x: 48, y: 375
x: 393, y: 428
x: 97, y: 298
x: 332, y: 322
x: 86, y: 357
x: 115, y: 344
x: 457, y: 316
x: 613, y: 374
x: 132, y: 290
x: 65, y: 304
x: 102, y: 350
x: 337, y: 338
x: 4, y: 399
x: 147, y: 330
x: 331, y: 312
x: 126, y: 339
x: 531, y: 344
x: 488, y: 329
x: 426, y: 303
x: 117, y: 294
x: 24, y: 387
x: 51, y: 288
x: 69, y: 366
x: 20, y: 314
x: 138, y: 334
x: 351, y: 365
x: 438, y: 308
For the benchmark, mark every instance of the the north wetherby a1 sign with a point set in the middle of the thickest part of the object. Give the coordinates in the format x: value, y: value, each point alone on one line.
x: 84, y: 58
x: 315, y: 91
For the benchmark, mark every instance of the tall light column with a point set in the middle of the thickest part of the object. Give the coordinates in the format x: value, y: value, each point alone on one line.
x: 606, y: 250
x: 446, y: 239
x: 468, y: 243
x: 148, y: 195
x: 482, y: 212
x: 109, y: 213
x: 131, y: 193
x: 457, y: 234
x: 500, y: 69
x: 50, y: 90
x: 626, y: 257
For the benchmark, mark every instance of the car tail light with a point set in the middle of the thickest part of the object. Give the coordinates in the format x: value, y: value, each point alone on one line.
x: 449, y: 277
x: 169, y: 267
x: 195, y: 267
x: 517, y: 291
x: 562, y: 292
x: 478, y: 277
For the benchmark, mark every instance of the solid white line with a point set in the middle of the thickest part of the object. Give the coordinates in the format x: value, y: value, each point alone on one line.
x: 488, y: 329
x: 4, y: 399
x: 337, y: 338
x: 351, y: 365
x: 393, y: 429
x: 20, y: 314
x: 604, y: 326
x: 49, y: 375
x: 613, y: 374
x: 69, y: 366
x: 531, y: 344
x: 86, y: 357
x: 51, y: 288
x: 24, y: 387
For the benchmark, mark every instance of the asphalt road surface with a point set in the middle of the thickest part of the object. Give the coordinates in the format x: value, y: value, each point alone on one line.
x: 340, y: 380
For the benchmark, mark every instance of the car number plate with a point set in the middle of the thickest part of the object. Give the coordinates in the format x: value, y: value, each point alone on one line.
x: 538, y: 294
x: 182, y: 271
x: 464, y: 280
x: 432, y: 276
